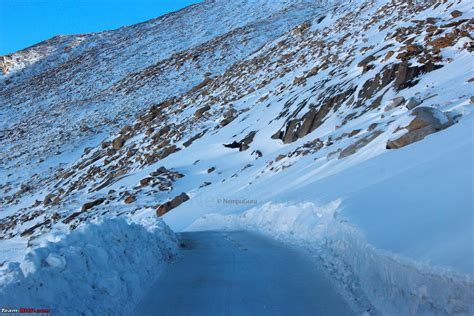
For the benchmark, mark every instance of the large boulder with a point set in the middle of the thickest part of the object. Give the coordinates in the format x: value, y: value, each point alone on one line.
x: 91, y: 204
x: 412, y: 103
x: 118, y: 142
x: 427, y: 121
x: 198, y: 114
x: 395, y: 102
x: 175, y: 202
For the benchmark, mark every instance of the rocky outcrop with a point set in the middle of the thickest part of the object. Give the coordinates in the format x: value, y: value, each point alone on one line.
x: 118, y: 143
x: 403, y: 75
x: 365, y: 63
x: 427, y: 121
x: 175, y: 202
x: 91, y: 204
x: 5, y: 64
x: 298, y: 128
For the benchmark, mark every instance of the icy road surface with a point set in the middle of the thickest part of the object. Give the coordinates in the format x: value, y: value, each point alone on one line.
x: 241, y: 273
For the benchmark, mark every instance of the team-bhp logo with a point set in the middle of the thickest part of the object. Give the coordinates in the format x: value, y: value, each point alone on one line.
x: 26, y: 310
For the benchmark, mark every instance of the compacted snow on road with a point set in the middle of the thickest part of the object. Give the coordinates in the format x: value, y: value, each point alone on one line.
x: 241, y: 273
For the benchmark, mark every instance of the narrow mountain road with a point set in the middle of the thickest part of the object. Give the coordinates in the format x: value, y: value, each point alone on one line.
x: 241, y: 273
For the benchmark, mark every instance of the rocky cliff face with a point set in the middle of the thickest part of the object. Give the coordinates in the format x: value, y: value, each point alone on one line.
x: 126, y: 121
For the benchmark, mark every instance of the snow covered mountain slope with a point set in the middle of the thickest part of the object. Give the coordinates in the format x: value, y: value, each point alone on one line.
x: 365, y: 106
x: 99, y: 82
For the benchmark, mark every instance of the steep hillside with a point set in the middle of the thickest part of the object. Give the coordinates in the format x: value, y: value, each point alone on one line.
x: 359, y: 112
x: 98, y: 82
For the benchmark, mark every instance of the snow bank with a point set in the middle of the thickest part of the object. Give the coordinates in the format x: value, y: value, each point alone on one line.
x: 372, y: 280
x: 104, y: 267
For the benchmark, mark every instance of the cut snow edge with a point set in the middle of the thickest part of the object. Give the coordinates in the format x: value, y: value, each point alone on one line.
x: 97, y: 267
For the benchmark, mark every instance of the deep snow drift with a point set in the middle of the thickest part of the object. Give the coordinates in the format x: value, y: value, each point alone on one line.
x: 104, y: 267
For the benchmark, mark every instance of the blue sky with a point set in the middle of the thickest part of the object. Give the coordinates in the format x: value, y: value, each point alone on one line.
x: 27, y: 22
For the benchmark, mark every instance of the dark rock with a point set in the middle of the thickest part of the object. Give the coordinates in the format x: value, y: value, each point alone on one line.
x: 175, y: 202
x: 198, y: 114
x: 201, y: 85
x: 31, y: 230
x: 91, y: 204
x: 443, y: 42
x: 205, y: 184
x: 168, y: 151
x: 149, y: 131
x: 412, y: 103
x: 163, y: 131
x: 279, y: 157
x: 234, y: 144
x: 129, y: 199
x: 354, y: 132
x: 145, y: 181
x: 126, y: 129
x: 48, y: 199
x: 159, y: 171
x: 229, y: 116
x: 298, y: 128
x: 456, y: 13
x: 365, y: 63
x: 118, y: 142
x: 372, y: 127
x: 244, y: 143
x: 193, y: 138
x: 402, y: 75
